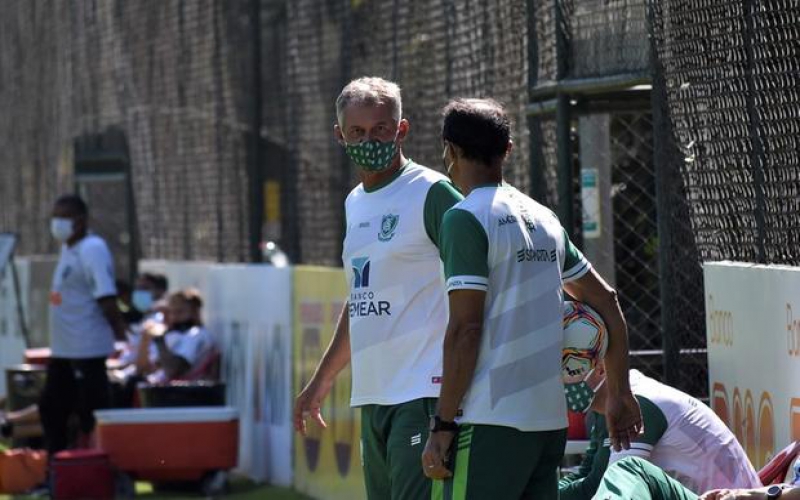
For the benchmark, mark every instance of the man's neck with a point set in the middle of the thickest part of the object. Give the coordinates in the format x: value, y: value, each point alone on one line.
x: 73, y: 240
x: 477, y: 174
x: 373, y: 179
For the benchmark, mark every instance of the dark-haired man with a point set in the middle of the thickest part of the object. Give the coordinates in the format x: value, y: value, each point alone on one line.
x: 84, y: 321
x: 507, y: 261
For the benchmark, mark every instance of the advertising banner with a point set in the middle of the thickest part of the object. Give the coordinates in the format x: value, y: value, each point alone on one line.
x: 753, y: 335
x: 327, y: 461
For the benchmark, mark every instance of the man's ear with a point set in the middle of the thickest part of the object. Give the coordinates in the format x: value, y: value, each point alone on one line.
x: 600, y: 369
x: 402, y: 129
x: 81, y: 222
x: 509, y: 148
x: 337, y: 134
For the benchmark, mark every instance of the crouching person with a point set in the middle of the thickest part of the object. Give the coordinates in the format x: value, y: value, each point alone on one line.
x: 682, y: 437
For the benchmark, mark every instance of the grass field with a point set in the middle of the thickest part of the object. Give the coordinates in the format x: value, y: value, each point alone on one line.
x: 240, y: 489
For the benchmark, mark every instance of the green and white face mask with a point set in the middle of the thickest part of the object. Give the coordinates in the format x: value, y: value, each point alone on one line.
x: 372, y: 156
x: 580, y: 395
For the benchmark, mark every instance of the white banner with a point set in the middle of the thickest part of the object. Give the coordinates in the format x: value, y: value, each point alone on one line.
x: 12, y: 342
x: 248, y: 308
x: 753, y: 334
x: 35, y: 276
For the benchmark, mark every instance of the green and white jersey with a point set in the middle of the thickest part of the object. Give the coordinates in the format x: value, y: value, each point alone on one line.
x: 686, y: 439
x: 397, y: 305
x: 500, y: 241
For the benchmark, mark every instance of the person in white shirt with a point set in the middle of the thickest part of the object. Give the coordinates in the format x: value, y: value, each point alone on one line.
x: 85, y: 321
x: 392, y: 325
x: 507, y: 262
x: 181, y: 344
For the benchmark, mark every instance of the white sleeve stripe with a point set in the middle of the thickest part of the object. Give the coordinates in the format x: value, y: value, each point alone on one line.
x: 577, y: 271
x: 634, y: 446
x: 629, y: 453
x: 467, y: 283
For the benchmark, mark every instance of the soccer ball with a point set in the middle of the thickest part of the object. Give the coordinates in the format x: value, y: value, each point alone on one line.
x: 585, y: 341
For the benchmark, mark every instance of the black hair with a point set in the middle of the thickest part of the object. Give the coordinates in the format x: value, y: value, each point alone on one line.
x: 479, y: 127
x: 190, y: 296
x: 123, y: 287
x: 158, y: 280
x: 74, y: 202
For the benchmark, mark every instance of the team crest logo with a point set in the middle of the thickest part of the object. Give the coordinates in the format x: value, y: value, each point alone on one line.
x: 388, y: 226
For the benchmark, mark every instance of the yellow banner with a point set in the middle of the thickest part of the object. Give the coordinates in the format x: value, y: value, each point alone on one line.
x: 327, y: 462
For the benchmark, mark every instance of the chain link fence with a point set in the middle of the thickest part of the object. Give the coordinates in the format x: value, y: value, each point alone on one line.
x: 198, y: 129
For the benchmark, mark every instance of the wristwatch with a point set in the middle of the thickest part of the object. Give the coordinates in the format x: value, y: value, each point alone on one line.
x: 437, y: 425
x: 774, y: 492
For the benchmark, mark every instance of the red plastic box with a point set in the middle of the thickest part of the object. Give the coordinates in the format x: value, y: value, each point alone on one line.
x: 170, y: 444
x: 82, y: 475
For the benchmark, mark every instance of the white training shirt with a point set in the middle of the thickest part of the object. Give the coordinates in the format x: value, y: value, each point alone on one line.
x: 85, y: 273
x: 397, y: 305
x: 194, y: 345
x: 686, y: 439
x: 500, y: 241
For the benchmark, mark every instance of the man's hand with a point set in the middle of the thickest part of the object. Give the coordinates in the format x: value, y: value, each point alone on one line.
x: 154, y: 329
x: 309, y: 404
x: 435, y: 455
x: 726, y: 494
x: 624, y: 419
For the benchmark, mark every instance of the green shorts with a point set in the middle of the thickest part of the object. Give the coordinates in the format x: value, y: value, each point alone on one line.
x: 503, y: 463
x: 392, y: 440
x: 633, y: 478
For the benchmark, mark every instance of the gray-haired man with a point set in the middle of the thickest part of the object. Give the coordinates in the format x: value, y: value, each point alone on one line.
x: 392, y: 326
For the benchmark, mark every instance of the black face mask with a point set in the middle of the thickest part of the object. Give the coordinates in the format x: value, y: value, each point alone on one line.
x: 183, y: 326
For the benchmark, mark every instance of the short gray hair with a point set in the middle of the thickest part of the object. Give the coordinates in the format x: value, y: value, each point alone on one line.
x: 370, y: 91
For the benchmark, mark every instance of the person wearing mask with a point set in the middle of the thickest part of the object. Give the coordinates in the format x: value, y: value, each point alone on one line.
x: 500, y: 426
x: 150, y: 289
x: 181, y: 344
x: 391, y: 327
x: 85, y: 321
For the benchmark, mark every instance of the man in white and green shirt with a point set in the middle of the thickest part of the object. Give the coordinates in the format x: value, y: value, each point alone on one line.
x: 392, y: 326
x: 682, y: 436
x: 507, y: 262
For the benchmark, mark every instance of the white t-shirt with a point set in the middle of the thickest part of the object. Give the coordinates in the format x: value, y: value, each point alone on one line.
x: 397, y: 306
x: 85, y: 273
x: 193, y: 345
x: 502, y: 242
x: 686, y: 439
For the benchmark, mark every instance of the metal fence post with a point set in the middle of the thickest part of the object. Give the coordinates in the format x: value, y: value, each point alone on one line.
x: 664, y: 154
x: 254, y: 167
x: 563, y: 129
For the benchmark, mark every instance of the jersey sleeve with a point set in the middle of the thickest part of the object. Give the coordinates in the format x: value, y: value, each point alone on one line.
x: 655, y: 425
x: 583, y: 484
x: 440, y: 198
x: 464, y: 248
x: 575, y: 264
x: 99, y: 269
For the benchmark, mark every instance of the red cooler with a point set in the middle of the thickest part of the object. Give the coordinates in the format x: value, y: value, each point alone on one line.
x: 82, y: 475
x: 170, y: 444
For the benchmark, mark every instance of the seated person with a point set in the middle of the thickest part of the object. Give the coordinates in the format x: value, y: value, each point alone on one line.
x: 633, y: 478
x: 130, y: 314
x: 181, y: 344
x: 681, y: 436
x: 150, y: 289
x: 146, y: 303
